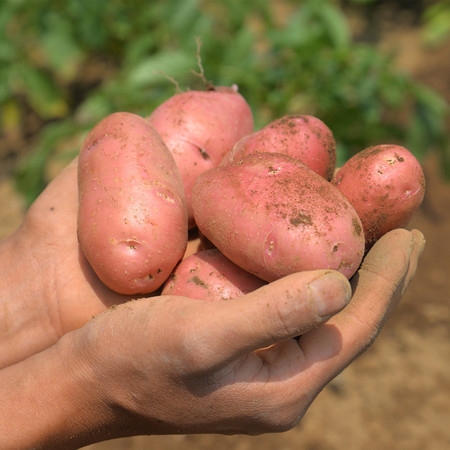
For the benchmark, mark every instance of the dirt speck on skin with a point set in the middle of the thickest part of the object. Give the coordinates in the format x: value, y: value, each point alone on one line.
x: 198, y: 281
x: 356, y: 227
x: 204, y: 154
x: 300, y: 219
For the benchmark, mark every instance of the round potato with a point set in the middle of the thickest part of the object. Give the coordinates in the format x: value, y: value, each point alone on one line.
x: 209, y: 275
x: 272, y: 216
x: 301, y: 137
x: 199, y: 127
x: 385, y: 184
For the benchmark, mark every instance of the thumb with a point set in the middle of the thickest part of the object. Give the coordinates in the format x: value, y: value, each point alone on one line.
x: 275, y: 312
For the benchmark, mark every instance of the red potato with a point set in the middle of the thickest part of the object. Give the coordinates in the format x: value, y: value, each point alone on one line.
x: 132, y: 220
x: 385, y: 184
x: 273, y: 216
x: 199, y: 127
x: 301, y: 137
x: 209, y: 275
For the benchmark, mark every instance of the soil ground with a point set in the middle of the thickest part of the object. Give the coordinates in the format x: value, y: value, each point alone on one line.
x: 397, y: 395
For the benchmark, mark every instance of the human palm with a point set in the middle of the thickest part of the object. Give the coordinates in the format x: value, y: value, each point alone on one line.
x: 71, y: 292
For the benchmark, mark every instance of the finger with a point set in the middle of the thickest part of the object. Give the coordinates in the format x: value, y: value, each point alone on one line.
x: 378, y: 287
x: 58, y: 203
x: 381, y: 279
x: 280, y: 310
x: 419, y: 245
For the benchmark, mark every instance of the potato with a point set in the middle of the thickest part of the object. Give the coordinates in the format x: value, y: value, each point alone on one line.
x: 301, y: 137
x: 132, y: 220
x: 199, y: 127
x: 272, y: 216
x: 385, y: 184
x: 209, y: 275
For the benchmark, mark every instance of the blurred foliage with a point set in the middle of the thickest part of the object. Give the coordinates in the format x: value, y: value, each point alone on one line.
x: 67, y: 64
x: 437, y: 23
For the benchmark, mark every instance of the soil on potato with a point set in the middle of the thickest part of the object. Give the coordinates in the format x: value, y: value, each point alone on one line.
x: 395, y: 396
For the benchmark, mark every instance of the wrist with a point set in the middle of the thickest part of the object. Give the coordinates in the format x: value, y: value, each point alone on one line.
x: 54, y: 399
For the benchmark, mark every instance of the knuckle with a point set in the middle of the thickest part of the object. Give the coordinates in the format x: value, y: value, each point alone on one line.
x: 188, y: 349
x: 281, y: 324
x: 280, y: 421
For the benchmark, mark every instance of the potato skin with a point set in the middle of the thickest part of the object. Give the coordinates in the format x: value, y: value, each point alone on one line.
x: 385, y: 184
x: 273, y: 216
x: 209, y: 275
x: 301, y: 137
x: 199, y: 127
x: 132, y: 219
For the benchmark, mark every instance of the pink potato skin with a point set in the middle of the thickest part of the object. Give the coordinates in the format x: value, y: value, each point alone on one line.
x: 199, y: 127
x: 209, y: 275
x: 273, y: 216
x: 385, y: 184
x: 132, y: 219
x: 301, y: 137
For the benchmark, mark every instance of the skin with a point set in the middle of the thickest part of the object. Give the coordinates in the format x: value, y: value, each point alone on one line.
x: 385, y: 184
x: 273, y: 216
x: 68, y: 380
x: 199, y: 127
x: 209, y: 275
x: 302, y: 137
x: 132, y: 218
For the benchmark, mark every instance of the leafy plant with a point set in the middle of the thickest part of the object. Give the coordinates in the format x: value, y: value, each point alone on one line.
x: 437, y: 23
x: 66, y: 65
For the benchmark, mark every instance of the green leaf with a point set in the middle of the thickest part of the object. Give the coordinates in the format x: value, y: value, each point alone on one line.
x: 95, y: 107
x: 335, y: 24
x: 63, y: 53
x: 437, y: 23
x: 151, y: 70
x: 30, y: 174
x: 42, y: 92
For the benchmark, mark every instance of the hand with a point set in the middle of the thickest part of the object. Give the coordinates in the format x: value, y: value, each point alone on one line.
x: 140, y: 367
x: 233, y: 367
x: 177, y: 365
x: 47, y: 286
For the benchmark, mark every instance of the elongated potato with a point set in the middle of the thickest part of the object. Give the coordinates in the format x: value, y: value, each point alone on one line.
x: 209, y: 275
x: 385, y: 184
x: 199, y: 127
x: 273, y: 216
x: 132, y: 220
x: 301, y: 137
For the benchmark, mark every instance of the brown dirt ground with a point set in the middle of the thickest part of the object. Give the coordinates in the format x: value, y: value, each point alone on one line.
x: 395, y: 396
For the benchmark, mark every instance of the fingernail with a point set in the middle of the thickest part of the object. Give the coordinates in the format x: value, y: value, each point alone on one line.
x: 419, y: 242
x: 330, y: 293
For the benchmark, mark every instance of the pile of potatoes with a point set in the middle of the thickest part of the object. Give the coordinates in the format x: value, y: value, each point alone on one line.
x: 266, y: 203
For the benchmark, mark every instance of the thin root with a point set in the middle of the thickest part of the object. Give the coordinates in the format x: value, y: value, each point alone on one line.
x: 178, y: 90
x: 201, y: 74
